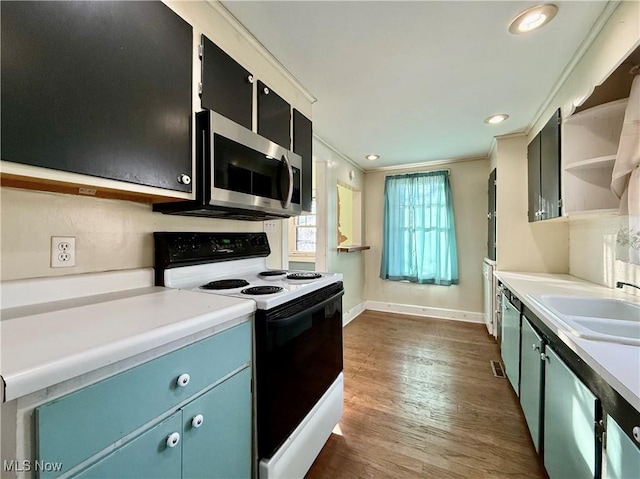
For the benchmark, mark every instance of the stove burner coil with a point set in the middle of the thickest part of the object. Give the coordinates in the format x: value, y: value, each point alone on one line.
x: 226, y: 284
x: 262, y: 290
x: 304, y: 276
x: 273, y: 272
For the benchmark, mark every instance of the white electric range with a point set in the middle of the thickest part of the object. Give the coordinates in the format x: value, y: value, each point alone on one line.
x: 297, y: 333
x: 249, y: 279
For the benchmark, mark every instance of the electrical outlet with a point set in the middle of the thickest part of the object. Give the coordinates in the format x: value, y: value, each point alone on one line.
x: 269, y: 226
x: 63, y: 251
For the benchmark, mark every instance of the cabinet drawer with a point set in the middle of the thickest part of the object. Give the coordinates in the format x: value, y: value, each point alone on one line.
x: 146, y: 456
x: 75, y: 427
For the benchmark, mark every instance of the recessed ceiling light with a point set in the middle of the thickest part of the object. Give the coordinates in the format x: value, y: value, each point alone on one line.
x: 533, y: 18
x: 372, y: 157
x: 495, y: 119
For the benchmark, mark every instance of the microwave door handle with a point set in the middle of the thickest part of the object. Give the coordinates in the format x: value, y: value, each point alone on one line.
x: 287, y: 202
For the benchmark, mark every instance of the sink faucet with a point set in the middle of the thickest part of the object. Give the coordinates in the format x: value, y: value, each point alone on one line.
x: 620, y: 284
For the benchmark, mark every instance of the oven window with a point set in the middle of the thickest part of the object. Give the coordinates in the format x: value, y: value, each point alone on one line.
x: 297, y: 361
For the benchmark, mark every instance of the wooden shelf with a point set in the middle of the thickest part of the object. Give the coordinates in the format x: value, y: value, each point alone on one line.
x: 352, y: 248
x: 606, y: 161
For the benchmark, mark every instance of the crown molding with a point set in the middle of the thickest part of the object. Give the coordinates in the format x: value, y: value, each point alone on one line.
x: 340, y: 154
x: 259, y: 47
x: 428, y: 163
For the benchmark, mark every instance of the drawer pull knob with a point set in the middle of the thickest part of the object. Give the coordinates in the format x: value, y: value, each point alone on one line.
x: 183, y: 380
x: 636, y: 433
x: 535, y: 347
x: 197, y: 421
x: 173, y: 439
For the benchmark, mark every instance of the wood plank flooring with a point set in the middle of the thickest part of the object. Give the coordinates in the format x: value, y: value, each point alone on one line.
x: 421, y: 401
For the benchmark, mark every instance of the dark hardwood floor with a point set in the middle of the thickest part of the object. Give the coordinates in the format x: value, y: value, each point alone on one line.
x: 421, y: 401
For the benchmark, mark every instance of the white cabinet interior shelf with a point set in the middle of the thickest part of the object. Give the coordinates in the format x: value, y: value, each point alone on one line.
x: 590, y: 144
x: 606, y: 161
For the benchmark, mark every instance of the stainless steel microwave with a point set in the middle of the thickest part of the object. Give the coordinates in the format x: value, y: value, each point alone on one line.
x: 240, y: 174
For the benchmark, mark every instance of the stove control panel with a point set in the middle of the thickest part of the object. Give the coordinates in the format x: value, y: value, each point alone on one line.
x: 183, y: 249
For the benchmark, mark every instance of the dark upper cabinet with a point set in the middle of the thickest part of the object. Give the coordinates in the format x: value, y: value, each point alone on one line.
x: 491, y: 216
x: 550, y: 167
x: 533, y: 178
x: 98, y: 88
x: 274, y: 116
x: 302, y: 145
x: 227, y: 87
x: 544, y: 171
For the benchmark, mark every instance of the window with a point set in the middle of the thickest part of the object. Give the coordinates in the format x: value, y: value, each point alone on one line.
x: 419, y: 240
x: 302, y: 233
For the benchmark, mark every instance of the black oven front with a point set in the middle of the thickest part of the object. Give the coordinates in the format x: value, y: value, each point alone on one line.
x: 298, y: 357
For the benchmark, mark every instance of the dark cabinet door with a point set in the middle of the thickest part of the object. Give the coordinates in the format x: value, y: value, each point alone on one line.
x: 98, y: 88
x: 302, y: 145
x: 274, y: 116
x: 550, y: 168
x: 491, y: 216
x: 226, y: 85
x: 543, y: 157
x: 533, y: 178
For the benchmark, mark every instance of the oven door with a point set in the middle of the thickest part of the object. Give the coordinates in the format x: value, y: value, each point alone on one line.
x: 298, y: 356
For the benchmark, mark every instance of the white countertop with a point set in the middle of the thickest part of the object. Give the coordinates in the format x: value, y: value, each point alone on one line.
x: 618, y: 364
x: 47, y: 343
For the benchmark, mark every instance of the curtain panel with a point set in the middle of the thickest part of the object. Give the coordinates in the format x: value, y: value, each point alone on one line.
x: 419, y: 239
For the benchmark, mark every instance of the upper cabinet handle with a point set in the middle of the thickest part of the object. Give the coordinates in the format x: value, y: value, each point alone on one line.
x: 250, y: 78
x: 265, y: 90
x: 184, y: 179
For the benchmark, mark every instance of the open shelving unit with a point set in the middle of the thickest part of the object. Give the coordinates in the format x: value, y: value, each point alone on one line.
x: 590, y: 144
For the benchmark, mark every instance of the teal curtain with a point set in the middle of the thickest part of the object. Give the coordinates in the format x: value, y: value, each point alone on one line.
x: 419, y: 237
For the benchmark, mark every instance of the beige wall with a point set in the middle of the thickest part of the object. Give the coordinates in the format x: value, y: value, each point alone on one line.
x: 522, y: 246
x: 469, y: 189
x: 110, y: 234
x: 331, y: 168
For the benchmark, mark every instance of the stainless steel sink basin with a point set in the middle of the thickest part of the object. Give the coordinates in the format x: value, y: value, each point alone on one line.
x: 599, y: 319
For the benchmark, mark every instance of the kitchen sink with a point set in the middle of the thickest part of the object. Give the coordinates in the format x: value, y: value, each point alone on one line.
x: 593, y: 307
x: 599, y: 319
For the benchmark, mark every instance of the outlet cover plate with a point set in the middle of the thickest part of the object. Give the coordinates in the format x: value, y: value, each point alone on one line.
x: 270, y: 226
x: 63, y: 251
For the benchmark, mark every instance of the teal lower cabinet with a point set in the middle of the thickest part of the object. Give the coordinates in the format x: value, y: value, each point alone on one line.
x: 622, y: 454
x: 510, y: 343
x: 150, y: 455
x: 531, y: 379
x: 186, y: 414
x: 569, y: 422
x: 217, y: 431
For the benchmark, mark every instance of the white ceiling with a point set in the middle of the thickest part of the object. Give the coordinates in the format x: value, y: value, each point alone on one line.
x: 413, y: 81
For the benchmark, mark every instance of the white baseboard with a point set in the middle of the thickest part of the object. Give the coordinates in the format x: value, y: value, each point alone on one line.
x: 352, y: 314
x: 454, y: 314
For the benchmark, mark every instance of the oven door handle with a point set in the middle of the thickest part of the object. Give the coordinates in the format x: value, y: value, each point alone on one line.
x: 304, y: 312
